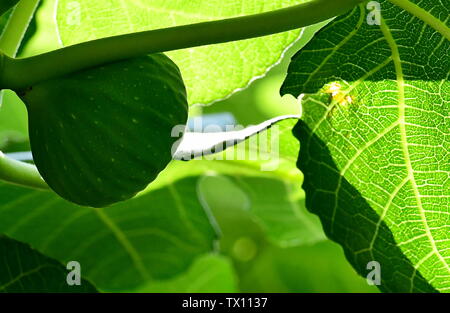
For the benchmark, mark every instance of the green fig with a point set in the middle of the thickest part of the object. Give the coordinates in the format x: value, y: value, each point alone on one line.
x: 101, y: 135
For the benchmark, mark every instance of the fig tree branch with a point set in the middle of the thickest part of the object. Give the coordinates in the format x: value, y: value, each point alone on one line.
x: 17, y: 74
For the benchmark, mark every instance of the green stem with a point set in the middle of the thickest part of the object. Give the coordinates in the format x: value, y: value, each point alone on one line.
x: 17, y: 26
x: 5, y: 5
x: 20, y: 173
x: 18, y: 74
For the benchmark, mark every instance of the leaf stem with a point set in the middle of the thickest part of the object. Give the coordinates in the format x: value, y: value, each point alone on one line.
x: 18, y: 74
x: 20, y: 173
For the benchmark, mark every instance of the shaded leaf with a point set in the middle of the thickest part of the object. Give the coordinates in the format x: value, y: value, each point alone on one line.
x: 23, y: 269
x: 152, y: 237
x: 6, y: 5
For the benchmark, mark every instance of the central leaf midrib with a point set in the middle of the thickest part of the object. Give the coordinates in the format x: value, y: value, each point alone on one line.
x: 404, y: 141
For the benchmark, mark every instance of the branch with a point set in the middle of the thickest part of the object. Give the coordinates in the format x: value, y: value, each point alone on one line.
x: 19, y: 74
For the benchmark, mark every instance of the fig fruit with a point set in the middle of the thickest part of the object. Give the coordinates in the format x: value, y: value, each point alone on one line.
x: 101, y: 135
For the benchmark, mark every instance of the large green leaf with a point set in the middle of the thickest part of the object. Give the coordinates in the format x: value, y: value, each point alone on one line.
x: 23, y: 269
x: 210, y: 72
x: 375, y: 136
x: 102, y: 135
x: 151, y: 237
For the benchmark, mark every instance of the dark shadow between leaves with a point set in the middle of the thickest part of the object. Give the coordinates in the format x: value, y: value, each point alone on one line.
x: 354, y: 223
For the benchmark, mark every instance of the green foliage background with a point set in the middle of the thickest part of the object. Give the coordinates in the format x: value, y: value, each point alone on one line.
x: 374, y: 155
